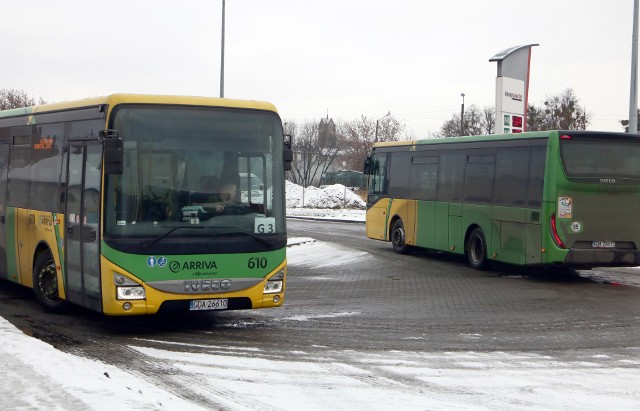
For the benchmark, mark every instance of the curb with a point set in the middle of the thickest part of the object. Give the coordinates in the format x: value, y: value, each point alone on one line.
x: 331, y: 220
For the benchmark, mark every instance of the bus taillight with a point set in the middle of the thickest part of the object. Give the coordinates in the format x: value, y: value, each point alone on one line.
x: 554, y: 232
x: 565, y: 137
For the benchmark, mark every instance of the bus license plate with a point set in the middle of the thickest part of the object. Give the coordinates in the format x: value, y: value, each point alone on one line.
x: 603, y: 244
x: 217, y: 304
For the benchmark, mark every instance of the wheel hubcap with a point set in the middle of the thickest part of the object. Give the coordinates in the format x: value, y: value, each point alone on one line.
x: 476, y: 249
x: 398, y: 236
x: 48, y: 282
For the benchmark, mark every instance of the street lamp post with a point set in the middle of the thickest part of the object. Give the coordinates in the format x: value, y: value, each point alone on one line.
x: 378, y: 124
x: 633, y: 95
x: 462, y: 116
x: 222, y: 55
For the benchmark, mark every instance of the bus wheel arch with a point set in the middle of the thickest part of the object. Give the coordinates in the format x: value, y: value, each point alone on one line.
x: 475, y: 248
x: 45, y: 281
x: 398, y: 236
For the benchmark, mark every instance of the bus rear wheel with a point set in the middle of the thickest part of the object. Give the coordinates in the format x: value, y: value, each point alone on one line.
x: 399, y: 239
x: 45, y: 283
x: 477, y: 250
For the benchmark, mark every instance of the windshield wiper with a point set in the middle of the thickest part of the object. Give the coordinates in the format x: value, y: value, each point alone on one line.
x: 146, y: 245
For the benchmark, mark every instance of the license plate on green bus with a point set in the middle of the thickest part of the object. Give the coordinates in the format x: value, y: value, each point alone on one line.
x: 216, y: 304
x: 603, y: 244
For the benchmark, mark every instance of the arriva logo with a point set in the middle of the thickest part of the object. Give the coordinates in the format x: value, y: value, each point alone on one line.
x: 175, y: 266
x: 194, y: 286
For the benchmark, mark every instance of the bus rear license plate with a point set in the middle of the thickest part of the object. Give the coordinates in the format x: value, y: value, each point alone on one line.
x: 217, y: 304
x: 603, y: 244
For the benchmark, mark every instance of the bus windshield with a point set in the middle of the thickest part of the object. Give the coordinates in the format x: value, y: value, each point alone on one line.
x: 184, y: 167
x: 591, y: 158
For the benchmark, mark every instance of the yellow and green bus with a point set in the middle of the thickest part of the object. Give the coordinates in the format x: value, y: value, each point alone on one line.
x: 556, y: 198
x: 103, y: 203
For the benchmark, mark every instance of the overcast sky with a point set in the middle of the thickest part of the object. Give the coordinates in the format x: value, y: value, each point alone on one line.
x: 313, y: 58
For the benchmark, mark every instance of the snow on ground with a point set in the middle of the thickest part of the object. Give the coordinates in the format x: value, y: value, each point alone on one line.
x: 335, y: 196
x: 37, y: 377
x: 335, y: 202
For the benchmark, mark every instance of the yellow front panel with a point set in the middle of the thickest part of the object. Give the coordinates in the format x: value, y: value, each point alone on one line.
x: 154, y: 298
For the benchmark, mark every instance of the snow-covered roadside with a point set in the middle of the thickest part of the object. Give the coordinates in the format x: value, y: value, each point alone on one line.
x: 36, y: 376
x: 335, y: 202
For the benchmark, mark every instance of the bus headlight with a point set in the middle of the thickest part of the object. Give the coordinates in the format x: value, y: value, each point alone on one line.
x: 130, y: 293
x: 274, y: 284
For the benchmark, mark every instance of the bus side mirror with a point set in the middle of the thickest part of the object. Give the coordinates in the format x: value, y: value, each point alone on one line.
x: 367, y: 166
x: 113, y: 152
x: 287, y: 153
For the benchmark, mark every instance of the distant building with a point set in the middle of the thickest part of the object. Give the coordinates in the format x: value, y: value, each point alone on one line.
x: 327, y: 133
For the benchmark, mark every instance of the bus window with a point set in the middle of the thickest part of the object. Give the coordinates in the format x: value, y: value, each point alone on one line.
x: 478, y: 183
x: 600, y: 158
x: 512, y: 175
x: 378, y: 171
x: 423, y: 178
x: 451, y: 176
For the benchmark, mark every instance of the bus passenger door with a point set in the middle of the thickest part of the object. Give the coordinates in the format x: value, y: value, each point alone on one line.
x: 4, y: 162
x: 82, y: 214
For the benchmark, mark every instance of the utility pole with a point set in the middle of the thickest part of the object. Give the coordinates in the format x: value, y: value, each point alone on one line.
x: 222, y: 55
x: 633, y: 94
x: 462, y: 115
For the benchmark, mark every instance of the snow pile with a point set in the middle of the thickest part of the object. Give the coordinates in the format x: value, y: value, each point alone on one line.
x: 334, y: 196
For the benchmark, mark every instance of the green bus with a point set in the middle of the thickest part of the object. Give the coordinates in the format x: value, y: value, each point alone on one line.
x: 113, y: 203
x: 554, y: 198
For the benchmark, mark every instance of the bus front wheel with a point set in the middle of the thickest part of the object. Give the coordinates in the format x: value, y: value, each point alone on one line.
x: 45, y: 283
x: 399, y: 239
x: 477, y: 250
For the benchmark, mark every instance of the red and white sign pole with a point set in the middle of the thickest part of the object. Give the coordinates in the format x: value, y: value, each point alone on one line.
x: 512, y: 89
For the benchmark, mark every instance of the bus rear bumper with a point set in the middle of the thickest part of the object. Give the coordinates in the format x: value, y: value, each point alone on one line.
x: 599, y: 257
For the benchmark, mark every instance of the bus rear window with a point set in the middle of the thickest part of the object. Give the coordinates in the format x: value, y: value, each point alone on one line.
x: 600, y: 158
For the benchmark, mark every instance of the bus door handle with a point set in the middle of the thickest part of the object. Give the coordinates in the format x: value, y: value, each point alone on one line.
x: 88, y: 234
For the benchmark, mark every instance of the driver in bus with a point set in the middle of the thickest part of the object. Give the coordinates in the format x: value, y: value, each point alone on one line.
x: 222, y: 194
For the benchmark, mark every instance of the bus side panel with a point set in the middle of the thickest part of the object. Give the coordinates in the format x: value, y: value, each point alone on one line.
x: 442, y: 226
x: 509, y: 240
x: 479, y: 215
x: 533, y: 240
x: 24, y: 240
x: 406, y: 211
x: 456, y: 234
x: 377, y: 219
x: 426, y: 224
x: 12, y: 250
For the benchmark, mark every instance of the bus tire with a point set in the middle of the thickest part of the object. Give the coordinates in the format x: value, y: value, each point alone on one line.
x: 45, y: 284
x: 476, y: 250
x: 399, y: 239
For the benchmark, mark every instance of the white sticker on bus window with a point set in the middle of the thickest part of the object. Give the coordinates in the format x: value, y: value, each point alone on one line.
x: 264, y: 225
x: 565, y: 207
x: 72, y: 218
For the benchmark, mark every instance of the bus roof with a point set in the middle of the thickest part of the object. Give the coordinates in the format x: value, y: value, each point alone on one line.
x: 116, y: 99
x: 465, y: 139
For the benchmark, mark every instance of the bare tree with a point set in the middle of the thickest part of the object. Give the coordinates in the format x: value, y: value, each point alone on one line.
x: 625, y: 123
x: 476, y: 122
x: 13, y: 98
x: 358, y: 136
x: 313, y: 151
x: 559, y: 112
